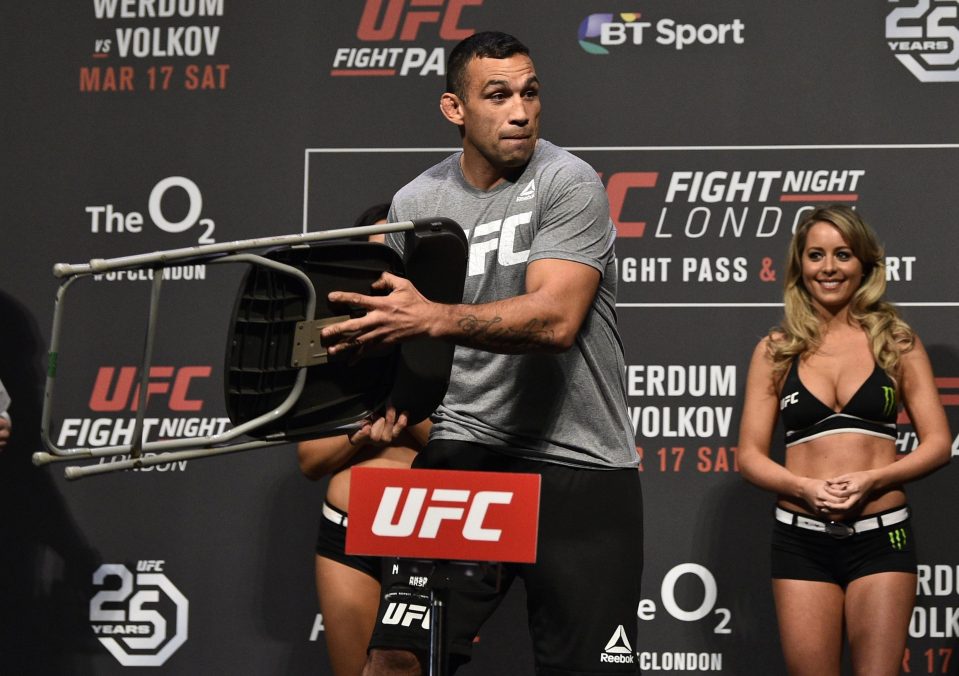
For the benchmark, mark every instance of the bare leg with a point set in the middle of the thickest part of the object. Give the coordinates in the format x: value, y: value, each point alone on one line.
x: 392, y: 663
x: 810, y: 618
x: 878, y: 608
x: 348, y: 600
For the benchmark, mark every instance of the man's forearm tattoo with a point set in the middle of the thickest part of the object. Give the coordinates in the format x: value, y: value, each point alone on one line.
x: 489, y: 333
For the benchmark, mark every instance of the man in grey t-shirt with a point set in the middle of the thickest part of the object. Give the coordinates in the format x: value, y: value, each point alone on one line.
x: 538, y: 376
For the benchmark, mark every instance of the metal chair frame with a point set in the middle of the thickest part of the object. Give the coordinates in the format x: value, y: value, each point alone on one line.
x: 195, y: 447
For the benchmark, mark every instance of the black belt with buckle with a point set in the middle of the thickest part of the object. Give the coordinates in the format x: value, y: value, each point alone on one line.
x: 840, y: 530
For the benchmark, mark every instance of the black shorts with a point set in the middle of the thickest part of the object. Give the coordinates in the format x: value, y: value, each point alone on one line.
x: 582, y: 592
x: 802, y: 554
x: 331, y: 543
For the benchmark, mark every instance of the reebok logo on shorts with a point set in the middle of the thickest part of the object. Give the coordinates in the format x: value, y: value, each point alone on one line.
x: 618, y: 649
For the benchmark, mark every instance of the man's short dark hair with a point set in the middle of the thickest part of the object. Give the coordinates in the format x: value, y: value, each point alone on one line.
x: 485, y: 45
x: 377, y: 212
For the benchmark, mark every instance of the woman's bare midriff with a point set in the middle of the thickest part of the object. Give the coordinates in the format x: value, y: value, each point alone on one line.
x: 837, y: 454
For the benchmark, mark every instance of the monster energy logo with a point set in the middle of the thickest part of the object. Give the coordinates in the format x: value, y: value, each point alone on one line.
x: 889, y: 400
x: 897, y: 538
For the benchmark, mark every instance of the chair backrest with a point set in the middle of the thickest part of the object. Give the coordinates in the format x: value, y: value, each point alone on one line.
x: 342, y: 391
x: 435, y: 254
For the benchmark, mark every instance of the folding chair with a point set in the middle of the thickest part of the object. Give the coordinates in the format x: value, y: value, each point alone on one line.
x: 280, y: 383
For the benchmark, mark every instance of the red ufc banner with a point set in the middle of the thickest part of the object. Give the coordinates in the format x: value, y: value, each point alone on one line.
x: 443, y: 514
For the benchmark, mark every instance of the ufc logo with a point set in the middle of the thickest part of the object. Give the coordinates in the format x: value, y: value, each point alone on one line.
x: 147, y: 565
x: 123, y: 392
x: 379, y: 25
x: 386, y: 524
x: 791, y: 398
x: 502, y: 245
x: 617, y: 189
x: 407, y: 614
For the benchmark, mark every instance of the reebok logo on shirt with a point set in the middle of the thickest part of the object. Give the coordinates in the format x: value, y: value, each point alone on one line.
x: 529, y: 192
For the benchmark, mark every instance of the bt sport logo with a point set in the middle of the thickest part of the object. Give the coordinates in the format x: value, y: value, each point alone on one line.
x: 598, y: 33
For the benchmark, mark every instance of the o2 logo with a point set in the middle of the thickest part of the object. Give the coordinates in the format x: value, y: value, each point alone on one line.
x: 707, y: 607
x: 106, y: 219
x: 924, y: 36
x: 195, y: 201
x: 141, y: 619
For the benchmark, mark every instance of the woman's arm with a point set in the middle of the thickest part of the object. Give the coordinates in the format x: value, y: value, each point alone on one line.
x: 756, y: 427
x: 319, y: 457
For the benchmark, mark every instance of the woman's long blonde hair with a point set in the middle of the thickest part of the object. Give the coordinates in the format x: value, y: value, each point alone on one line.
x: 801, y: 328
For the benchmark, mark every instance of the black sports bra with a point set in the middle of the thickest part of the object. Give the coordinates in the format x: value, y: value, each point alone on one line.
x: 872, y: 409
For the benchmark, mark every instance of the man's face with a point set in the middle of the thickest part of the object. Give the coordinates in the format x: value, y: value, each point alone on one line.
x: 501, y: 112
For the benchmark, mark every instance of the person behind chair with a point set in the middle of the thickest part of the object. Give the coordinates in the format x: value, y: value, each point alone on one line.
x: 538, y: 378
x: 348, y: 586
x: 836, y: 371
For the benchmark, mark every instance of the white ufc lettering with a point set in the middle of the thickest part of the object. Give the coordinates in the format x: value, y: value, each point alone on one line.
x: 792, y: 398
x: 148, y: 565
x: 383, y: 523
x: 478, y: 250
x: 401, y: 613
x: 502, y: 245
x: 435, y: 515
x: 473, y: 529
x: 386, y: 524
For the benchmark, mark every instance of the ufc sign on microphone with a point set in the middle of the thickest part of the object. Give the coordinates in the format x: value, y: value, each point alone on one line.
x: 443, y: 514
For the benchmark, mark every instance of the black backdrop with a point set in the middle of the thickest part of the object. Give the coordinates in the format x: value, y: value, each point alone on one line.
x: 135, y: 126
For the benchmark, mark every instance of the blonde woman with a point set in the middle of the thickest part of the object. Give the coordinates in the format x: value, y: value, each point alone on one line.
x: 836, y: 371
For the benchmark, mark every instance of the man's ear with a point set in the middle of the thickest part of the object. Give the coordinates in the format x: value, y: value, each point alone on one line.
x: 452, y: 108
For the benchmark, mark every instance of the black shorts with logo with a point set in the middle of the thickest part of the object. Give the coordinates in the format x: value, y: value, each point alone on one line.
x: 331, y: 543
x: 801, y: 554
x: 582, y: 592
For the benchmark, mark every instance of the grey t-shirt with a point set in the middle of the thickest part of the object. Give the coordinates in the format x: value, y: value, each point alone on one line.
x: 568, y: 408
